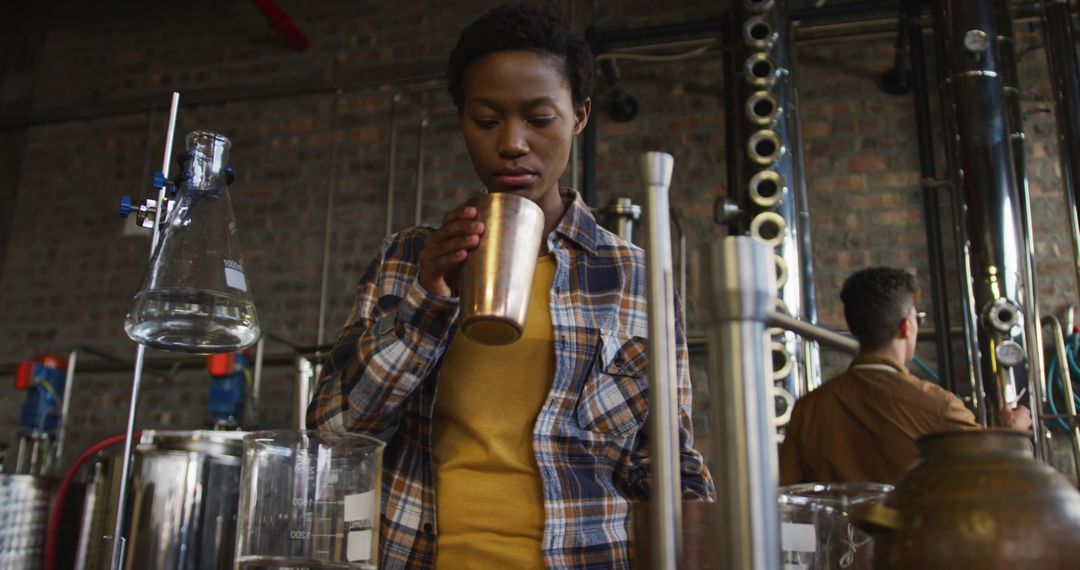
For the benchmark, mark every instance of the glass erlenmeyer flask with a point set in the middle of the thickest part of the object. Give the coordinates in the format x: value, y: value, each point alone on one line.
x: 195, y: 297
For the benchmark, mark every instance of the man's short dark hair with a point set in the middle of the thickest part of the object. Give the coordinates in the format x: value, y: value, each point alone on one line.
x: 875, y: 301
x: 538, y: 29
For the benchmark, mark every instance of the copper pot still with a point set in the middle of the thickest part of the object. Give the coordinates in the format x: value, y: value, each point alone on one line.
x: 496, y: 279
x: 976, y: 499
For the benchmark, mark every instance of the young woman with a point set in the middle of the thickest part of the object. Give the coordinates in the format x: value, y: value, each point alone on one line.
x: 526, y: 455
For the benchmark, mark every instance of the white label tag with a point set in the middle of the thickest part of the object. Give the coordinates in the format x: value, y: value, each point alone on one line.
x: 358, y: 546
x: 360, y: 507
x: 795, y: 537
x: 235, y: 279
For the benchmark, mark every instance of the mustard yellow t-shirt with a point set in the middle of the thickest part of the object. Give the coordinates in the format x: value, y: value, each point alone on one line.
x: 488, y: 491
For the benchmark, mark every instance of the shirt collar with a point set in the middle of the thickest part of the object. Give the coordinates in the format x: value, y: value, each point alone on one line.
x: 578, y: 224
x: 874, y: 359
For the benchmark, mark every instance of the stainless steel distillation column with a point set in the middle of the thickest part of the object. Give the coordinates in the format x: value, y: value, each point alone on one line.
x: 995, y: 237
x: 741, y: 277
x: 766, y: 174
x: 665, y: 508
x: 140, y: 355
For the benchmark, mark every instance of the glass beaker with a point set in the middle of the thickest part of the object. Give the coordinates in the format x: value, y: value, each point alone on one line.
x: 195, y: 297
x: 816, y: 532
x: 309, y: 499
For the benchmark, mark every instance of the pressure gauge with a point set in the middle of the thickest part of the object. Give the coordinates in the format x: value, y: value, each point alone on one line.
x: 1010, y: 353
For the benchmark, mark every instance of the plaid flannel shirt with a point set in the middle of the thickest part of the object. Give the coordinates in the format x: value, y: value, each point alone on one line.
x: 381, y: 376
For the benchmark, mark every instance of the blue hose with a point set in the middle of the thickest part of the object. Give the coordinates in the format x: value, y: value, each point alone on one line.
x: 1072, y: 348
x: 929, y: 371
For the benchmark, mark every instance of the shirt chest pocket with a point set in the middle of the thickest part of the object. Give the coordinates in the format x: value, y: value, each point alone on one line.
x: 615, y: 397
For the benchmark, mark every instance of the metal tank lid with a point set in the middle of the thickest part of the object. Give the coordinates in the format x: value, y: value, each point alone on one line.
x: 210, y: 442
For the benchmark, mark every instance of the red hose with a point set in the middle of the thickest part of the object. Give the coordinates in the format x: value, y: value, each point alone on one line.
x: 282, y: 24
x: 53, y: 529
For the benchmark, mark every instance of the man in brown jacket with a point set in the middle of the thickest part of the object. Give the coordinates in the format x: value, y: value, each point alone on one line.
x: 862, y: 425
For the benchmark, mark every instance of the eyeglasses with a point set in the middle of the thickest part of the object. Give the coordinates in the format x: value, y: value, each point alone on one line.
x: 920, y: 316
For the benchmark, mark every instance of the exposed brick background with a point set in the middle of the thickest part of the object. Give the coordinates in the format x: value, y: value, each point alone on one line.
x: 68, y: 275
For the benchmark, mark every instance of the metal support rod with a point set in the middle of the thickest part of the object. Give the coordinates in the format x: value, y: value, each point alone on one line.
x: 65, y: 406
x: 421, y: 139
x: 140, y: 355
x: 1070, y: 404
x: 305, y: 374
x: 328, y: 223
x: 665, y: 512
x: 256, y: 382
x: 391, y: 164
x: 1060, y: 40
x: 741, y: 275
x: 812, y: 332
x: 391, y: 170
x: 939, y: 295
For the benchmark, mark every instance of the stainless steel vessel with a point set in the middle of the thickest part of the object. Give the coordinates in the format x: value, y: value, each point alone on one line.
x: 497, y: 278
x: 766, y: 175
x: 187, y: 488
x: 24, y: 513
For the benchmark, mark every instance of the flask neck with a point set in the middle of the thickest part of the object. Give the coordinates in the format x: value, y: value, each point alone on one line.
x: 206, y: 170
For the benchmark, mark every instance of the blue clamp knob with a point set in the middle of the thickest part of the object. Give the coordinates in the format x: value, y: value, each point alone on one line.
x: 125, y: 206
x: 159, y: 180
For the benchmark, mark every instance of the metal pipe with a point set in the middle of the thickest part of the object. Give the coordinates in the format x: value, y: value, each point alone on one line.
x: 812, y: 332
x: 1032, y: 337
x: 991, y: 201
x: 742, y: 280
x: 305, y: 373
x: 391, y: 164
x: 665, y: 513
x: 140, y: 355
x: 1070, y: 404
x: 328, y: 223
x: 256, y: 382
x: 939, y: 297
x: 1061, y: 59
x: 421, y: 136
x: 65, y: 406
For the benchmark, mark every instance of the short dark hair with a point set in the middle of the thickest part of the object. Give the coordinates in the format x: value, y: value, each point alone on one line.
x: 539, y: 29
x: 875, y: 301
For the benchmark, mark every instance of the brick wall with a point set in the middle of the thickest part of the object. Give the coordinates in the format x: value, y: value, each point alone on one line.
x: 68, y: 274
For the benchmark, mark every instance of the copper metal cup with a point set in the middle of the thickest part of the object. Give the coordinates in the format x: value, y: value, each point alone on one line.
x: 496, y: 279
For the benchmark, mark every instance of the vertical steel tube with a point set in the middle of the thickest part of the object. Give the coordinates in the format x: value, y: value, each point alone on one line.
x: 305, y: 375
x: 665, y: 514
x: 770, y: 186
x: 994, y: 219
x: 140, y: 356
x: 65, y: 406
x: 1061, y: 57
x: 256, y: 382
x: 328, y: 223
x: 391, y: 164
x: 1033, y: 340
x: 421, y: 140
x: 742, y: 280
x: 928, y: 170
